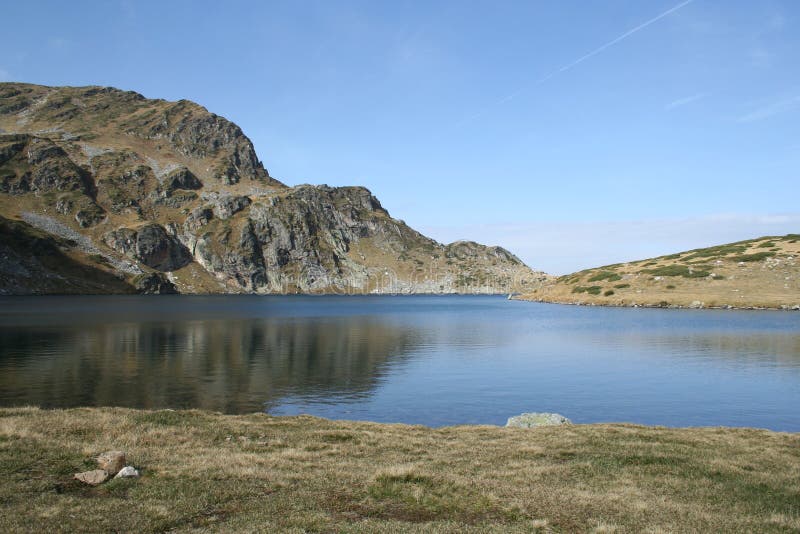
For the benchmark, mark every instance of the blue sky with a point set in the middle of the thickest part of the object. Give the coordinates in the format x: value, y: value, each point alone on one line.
x: 574, y: 132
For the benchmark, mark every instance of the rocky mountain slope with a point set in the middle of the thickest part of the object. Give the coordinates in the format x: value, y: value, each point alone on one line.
x: 757, y: 273
x: 125, y: 193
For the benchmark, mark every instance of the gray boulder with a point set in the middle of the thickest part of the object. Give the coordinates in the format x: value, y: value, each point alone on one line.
x: 532, y: 420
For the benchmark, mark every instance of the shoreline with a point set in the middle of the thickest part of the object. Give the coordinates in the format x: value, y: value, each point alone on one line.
x: 644, y: 426
x: 660, y: 305
x: 519, y: 298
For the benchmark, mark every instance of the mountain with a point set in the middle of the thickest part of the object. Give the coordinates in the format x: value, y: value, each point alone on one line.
x: 106, y: 191
x: 756, y: 273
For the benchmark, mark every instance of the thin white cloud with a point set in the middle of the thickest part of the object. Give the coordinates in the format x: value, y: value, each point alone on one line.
x: 560, y: 248
x: 5, y: 76
x: 770, y: 110
x: 684, y: 101
x: 576, y: 62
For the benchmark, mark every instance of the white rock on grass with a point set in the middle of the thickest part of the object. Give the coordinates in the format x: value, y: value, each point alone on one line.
x: 532, y: 420
x: 127, y: 472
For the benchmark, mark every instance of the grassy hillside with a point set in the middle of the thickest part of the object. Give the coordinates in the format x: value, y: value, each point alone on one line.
x: 757, y: 273
x: 209, y: 472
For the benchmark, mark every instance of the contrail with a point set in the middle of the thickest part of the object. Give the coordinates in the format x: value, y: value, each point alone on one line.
x: 575, y: 63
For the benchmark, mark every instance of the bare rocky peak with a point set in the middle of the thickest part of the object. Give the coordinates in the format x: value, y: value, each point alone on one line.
x: 178, y: 193
x: 102, y: 116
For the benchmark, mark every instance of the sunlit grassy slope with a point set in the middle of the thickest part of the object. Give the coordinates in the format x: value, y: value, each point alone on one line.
x: 763, y: 272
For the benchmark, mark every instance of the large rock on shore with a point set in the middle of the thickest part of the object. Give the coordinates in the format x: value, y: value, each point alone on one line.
x: 532, y: 420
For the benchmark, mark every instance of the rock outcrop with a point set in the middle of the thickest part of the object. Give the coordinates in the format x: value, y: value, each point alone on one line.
x: 150, y: 245
x: 169, y: 187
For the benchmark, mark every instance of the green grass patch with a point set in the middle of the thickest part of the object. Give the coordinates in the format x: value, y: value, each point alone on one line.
x: 592, y: 290
x: 712, y: 252
x: 170, y: 418
x: 670, y: 286
x: 766, y: 244
x: 605, y: 275
x: 677, y: 270
x: 622, y: 286
x: 756, y: 256
x: 608, y: 293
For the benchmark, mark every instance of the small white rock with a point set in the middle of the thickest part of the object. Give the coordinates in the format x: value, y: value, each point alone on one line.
x: 127, y: 472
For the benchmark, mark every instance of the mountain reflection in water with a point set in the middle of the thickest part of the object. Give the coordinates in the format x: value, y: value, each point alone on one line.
x: 418, y: 359
x: 225, y: 365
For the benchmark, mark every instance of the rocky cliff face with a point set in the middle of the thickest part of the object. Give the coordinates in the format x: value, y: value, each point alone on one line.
x: 165, y: 195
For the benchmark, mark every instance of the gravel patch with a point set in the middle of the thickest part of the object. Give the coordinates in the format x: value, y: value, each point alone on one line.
x: 159, y: 171
x: 92, y: 151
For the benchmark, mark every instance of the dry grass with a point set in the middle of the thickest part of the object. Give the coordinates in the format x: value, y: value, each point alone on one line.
x: 759, y: 273
x: 210, y: 472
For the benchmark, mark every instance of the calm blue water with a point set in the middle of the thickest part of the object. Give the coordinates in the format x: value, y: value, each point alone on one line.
x: 428, y: 360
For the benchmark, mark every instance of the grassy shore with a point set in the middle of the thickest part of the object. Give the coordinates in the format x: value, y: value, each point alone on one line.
x: 757, y: 273
x: 210, y: 472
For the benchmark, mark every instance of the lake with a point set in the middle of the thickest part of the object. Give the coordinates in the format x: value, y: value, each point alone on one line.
x: 432, y: 360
